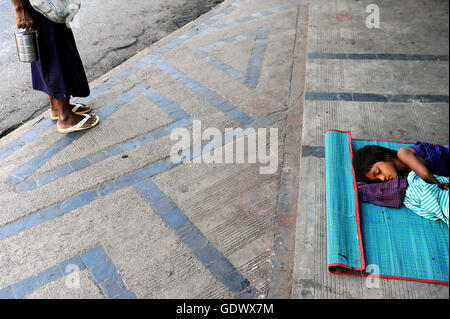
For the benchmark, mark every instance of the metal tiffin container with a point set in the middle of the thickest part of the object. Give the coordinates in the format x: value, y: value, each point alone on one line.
x: 27, y: 47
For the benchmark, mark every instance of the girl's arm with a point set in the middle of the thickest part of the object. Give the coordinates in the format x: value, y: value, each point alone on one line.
x: 415, y: 162
x: 18, y: 4
x: 24, y: 20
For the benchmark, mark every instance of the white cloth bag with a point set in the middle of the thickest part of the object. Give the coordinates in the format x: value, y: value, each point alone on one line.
x: 59, y: 11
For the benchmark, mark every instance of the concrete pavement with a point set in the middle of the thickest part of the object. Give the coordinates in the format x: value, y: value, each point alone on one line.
x: 104, y: 41
x: 110, y: 203
x: 389, y: 83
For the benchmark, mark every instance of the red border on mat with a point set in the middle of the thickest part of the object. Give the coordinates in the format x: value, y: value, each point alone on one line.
x: 358, y: 222
x: 358, y: 219
x: 397, y: 142
x: 390, y: 277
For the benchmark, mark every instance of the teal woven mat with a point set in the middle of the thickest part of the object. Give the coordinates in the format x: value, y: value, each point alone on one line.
x: 396, y: 242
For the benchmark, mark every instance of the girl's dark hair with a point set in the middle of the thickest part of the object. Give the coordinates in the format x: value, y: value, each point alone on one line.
x: 366, y: 157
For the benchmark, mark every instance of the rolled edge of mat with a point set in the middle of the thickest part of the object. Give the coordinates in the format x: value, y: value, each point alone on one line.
x: 345, y: 251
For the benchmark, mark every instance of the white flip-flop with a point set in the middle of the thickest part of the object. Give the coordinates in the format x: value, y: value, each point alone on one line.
x: 79, y: 126
x: 75, y: 109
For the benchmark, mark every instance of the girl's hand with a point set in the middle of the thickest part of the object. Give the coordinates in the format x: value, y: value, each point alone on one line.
x: 24, y: 20
x: 444, y: 186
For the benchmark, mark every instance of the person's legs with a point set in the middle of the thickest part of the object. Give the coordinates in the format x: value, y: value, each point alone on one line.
x: 80, y: 109
x: 53, y: 109
x: 66, y: 118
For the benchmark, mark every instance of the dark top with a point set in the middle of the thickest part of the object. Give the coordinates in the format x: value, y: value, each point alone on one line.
x: 436, y: 155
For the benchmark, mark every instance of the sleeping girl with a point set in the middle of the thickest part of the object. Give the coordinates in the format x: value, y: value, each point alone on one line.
x: 426, y: 167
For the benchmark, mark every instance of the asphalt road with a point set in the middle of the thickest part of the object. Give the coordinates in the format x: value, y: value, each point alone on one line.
x: 108, y: 33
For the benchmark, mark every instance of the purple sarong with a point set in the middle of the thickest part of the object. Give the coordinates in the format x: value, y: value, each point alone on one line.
x: 59, y: 72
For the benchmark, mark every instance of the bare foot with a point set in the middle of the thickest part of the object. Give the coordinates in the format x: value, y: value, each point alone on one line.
x: 74, y: 119
x: 81, y: 110
x: 68, y: 121
x: 65, y: 108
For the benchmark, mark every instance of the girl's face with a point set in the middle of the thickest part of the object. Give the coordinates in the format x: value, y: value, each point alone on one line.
x: 382, y: 171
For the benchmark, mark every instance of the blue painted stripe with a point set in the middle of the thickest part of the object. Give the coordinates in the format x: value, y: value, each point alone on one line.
x: 83, y: 199
x: 378, y: 56
x: 126, y: 180
x: 255, y: 16
x: 314, y: 151
x: 101, y: 89
x: 204, y: 92
x: 220, y: 65
x: 105, y: 273
x: 370, y: 97
x: 256, y: 60
x: 95, y: 260
x: 183, y: 120
x: 167, y: 105
x: 251, y: 78
x: 94, y: 256
x: 113, y: 287
x: 7, y: 293
x: 25, y: 287
x: 54, y: 174
x: 103, y: 270
x: 66, y: 266
x: 67, y: 169
x: 30, y: 167
x: 26, y: 185
x: 224, y: 12
x: 219, y: 266
x: 109, y: 83
x: 49, y: 275
x: 26, y: 138
x: 110, y: 109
